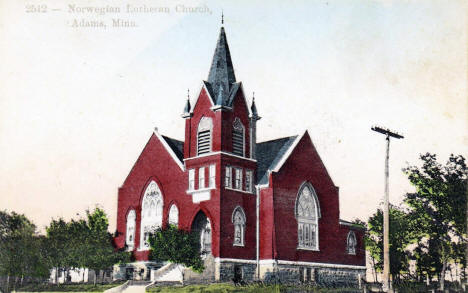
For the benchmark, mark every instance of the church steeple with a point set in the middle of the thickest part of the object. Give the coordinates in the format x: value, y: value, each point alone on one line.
x: 221, y: 76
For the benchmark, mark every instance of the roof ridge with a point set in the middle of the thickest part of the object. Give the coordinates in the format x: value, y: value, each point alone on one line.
x: 285, y: 137
x: 177, y: 146
x: 165, y: 136
x: 269, y: 153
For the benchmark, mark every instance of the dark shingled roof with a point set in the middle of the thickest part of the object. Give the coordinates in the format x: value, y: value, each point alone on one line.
x: 177, y: 146
x: 269, y: 153
x: 221, y: 76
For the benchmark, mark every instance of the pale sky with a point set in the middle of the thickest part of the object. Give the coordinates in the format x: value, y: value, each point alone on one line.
x: 77, y: 105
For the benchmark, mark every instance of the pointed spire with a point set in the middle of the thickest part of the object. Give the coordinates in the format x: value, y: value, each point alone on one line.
x: 253, y: 108
x: 221, y: 73
x: 187, y: 107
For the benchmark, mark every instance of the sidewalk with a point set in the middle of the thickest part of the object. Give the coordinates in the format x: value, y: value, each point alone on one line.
x: 135, y: 289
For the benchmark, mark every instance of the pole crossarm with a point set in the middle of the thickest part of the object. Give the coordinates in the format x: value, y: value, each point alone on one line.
x: 387, y: 131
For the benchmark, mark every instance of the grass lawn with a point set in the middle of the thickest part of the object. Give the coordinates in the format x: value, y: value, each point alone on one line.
x: 67, y: 287
x: 230, y: 288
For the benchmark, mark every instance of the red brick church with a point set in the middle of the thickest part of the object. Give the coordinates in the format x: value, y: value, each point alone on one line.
x: 263, y: 209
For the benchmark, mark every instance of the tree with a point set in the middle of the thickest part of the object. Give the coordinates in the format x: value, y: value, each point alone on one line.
x: 401, y: 235
x: 83, y: 243
x: 77, y: 235
x: 20, y: 249
x: 439, y: 207
x: 177, y: 246
x: 100, y: 251
x: 58, y: 254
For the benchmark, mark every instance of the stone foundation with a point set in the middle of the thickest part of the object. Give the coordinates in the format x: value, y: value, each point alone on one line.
x: 225, y: 270
x: 208, y: 275
x: 338, y: 277
x: 327, y: 275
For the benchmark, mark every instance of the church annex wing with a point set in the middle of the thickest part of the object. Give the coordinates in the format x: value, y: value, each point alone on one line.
x: 272, y: 155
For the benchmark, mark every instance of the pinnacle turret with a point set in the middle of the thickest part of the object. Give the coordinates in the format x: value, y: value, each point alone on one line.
x: 253, y: 109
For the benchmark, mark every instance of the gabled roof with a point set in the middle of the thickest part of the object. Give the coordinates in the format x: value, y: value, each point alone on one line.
x: 269, y: 154
x: 221, y: 78
x: 174, y: 147
x: 177, y: 146
x: 352, y: 225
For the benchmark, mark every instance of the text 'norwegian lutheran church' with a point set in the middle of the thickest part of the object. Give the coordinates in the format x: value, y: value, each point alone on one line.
x: 263, y: 210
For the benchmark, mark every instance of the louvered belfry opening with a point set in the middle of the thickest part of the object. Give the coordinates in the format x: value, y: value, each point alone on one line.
x: 204, y: 142
x: 204, y: 136
x: 238, y: 138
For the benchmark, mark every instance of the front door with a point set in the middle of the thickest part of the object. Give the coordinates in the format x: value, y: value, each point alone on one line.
x: 202, y: 225
x: 129, y: 273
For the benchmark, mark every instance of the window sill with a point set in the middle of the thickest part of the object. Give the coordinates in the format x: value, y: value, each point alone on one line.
x: 307, y: 248
x: 238, y: 244
x: 143, y: 249
x: 238, y: 190
x: 191, y: 191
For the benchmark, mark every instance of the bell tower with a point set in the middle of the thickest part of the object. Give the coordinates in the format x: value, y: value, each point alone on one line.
x: 222, y: 105
x: 219, y: 155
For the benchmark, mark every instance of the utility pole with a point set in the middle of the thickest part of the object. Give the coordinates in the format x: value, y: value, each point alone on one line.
x: 466, y: 244
x: 387, y: 285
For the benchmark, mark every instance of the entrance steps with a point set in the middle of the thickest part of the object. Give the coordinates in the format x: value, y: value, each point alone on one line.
x: 171, y: 273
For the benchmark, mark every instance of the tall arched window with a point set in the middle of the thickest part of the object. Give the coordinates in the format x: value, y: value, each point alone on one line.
x: 204, y: 135
x: 307, y: 215
x: 151, y: 213
x: 174, y: 215
x: 238, y: 137
x: 238, y: 219
x: 351, y: 243
x: 130, y: 232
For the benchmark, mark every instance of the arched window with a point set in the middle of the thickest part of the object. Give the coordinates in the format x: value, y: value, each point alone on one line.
x: 238, y: 137
x: 238, y: 219
x: 151, y: 213
x: 205, y: 130
x: 174, y: 215
x: 307, y: 215
x: 351, y: 243
x: 130, y: 234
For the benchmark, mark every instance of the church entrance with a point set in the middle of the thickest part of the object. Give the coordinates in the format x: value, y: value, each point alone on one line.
x: 201, y: 224
x: 129, y: 274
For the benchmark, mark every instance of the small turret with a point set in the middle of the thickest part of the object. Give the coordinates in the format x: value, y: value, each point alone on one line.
x: 253, y: 128
x: 253, y: 109
x: 187, y: 107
